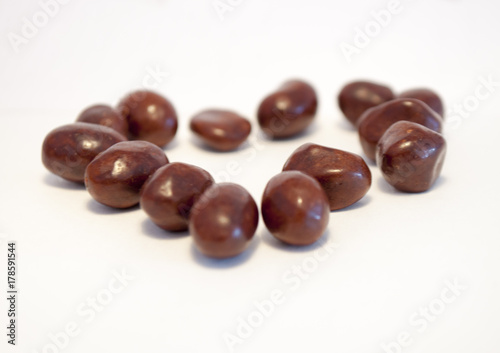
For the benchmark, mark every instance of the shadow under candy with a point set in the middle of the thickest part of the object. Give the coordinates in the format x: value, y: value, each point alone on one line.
x: 58, y: 182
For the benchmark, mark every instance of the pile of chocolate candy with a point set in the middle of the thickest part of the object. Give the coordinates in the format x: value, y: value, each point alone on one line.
x: 117, y: 153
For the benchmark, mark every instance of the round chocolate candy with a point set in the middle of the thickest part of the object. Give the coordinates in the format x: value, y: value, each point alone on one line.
x: 344, y: 176
x: 168, y: 196
x: 116, y: 176
x: 411, y: 156
x: 222, y: 130
x: 67, y: 150
x: 356, y: 97
x: 375, y: 121
x: 295, y: 208
x: 150, y: 116
x: 289, y: 110
x: 104, y: 115
x: 224, y: 220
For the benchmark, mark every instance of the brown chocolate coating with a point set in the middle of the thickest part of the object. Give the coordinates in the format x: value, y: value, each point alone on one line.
x: 224, y: 220
x: 427, y: 96
x: 67, y: 150
x: 106, y: 116
x: 222, y: 130
x: 168, y: 196
x: 375, y: 121
x: 116, y: 176
x: 356, y: 97
x: 411, y: 156
x: 151, y: 117
x: 344, y: 176
x: 289, y: 110
x: 295, y: 208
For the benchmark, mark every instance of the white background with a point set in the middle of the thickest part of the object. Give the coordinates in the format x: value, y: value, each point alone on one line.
x: 395, y: 251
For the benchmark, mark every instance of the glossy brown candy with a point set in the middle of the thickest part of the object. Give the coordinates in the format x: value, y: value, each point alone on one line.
x: 289, y: 110
x: 427, y: 96
x: 170, y: 193
x: 151, y: 117
x: 222, y: 130
x: 67, y: 150
x: 224, y: 220
x: 344, y: 176
x: 377, y: 120
x: 295, y: 208
x: 116, y: 176
x: 356, y: 97
x: 411, y: 156
x: 104, y: 115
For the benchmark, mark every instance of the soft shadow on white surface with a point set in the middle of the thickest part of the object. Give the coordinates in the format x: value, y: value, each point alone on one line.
x: 153, y: 231
x: 346, y: 125
x: 96, y: 207
x: 172, y: 144
x: 225, y: 263
x: 387, y: 188
x: 384, y: 186
x: 58, y: 182
x: 270, y: 240
x: 368, y: 161
x: 359, y: 204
